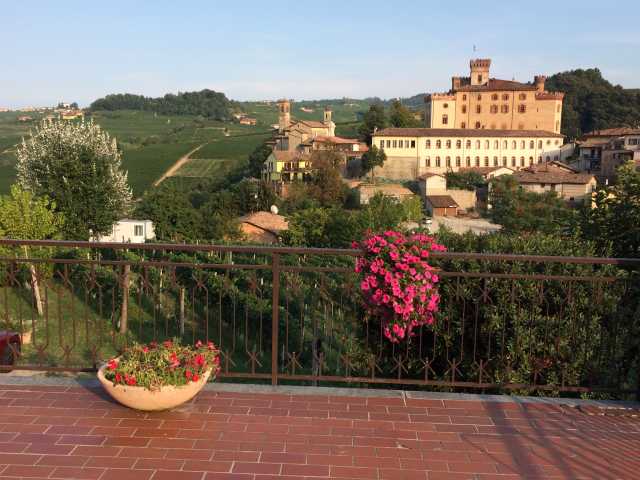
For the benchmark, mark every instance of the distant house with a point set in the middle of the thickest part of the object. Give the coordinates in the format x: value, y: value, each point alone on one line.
x: 263, y: 227
x: 25, y: 118
x: 567, y: 182
x: 435, y: 184
x: 602, y: 151
x: 441, y: 206
x: 306, y: 109
x: 71, y: 114
x: 488, y: 172
x: 283, y: 167
x: 248, y: 121
x: 393, y: 190
x: 129, y: 230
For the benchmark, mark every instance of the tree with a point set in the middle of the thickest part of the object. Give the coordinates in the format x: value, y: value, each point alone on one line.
x: 257, y: 159
x: 253, y: 195
x: 326, y: 184
x: 521, y: 211
x: 373, y: 120
x: 25, y: 216
x: 400, y: 116
x: 375, y: 157
x: 78, y: 166
x: 465, y: 180
x: 614, y: 223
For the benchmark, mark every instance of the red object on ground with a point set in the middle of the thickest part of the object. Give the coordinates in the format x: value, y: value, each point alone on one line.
x: 63, y: 432
x: 7, y: 341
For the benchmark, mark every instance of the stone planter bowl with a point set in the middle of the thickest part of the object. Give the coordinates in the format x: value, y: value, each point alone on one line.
x: 141, y: 398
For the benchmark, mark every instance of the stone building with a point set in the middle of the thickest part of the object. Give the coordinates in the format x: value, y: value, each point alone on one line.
x: 601, y: 152
x: 479, y: 101
x: 292, y: 133
x: 574, y: 186
x: 412, y: 152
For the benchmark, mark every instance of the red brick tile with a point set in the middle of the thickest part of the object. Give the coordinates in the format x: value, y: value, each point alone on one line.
x: 77, y: 473
x: 450, y: 476
x: 306, y: 470
x: 125, y: 474
x: 354, y: 472
x: 18, y: 459
x: 378, y: 462
x: 157, y: 463
x: 475, y: 467
x: 143, y: 452
x: 176, y: 475
x: 277, y: 457
x: 27, y: 471
x: 207, y: 466
x: 81, y: 440
x: 168, y: 442
x: 63, y: 460
x: 235, y: 456
x: 127, y: 441
x: 50, y: 449
x: 89, y: 451
x: 268, y: 468
x: 110, y: 462
x: 228, y: 476
x: 338, y: 460
x: 185, y: 454
x: 13, y: 447
x: 398, y: 474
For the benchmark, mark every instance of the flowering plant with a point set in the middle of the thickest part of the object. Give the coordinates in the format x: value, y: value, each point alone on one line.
x: 397, y: 283
x: 169, y: 363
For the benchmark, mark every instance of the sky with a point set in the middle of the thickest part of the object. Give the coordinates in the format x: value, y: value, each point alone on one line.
x: 72, y: 50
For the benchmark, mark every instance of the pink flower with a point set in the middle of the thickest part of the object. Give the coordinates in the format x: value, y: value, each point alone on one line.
x: 364, y: 285
x: 198, y: 344
x: 199, y: 360
x: 112, y: 364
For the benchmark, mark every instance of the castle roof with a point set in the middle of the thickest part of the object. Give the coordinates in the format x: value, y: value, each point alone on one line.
x: 463, y: 132
x: 494, y: 84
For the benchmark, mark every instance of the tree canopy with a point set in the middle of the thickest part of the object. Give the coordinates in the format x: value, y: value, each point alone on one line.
x: 401, y: 117
x: 374, y: 118
x: 375, y: 157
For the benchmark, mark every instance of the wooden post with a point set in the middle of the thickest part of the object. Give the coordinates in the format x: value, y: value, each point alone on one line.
x: 124, y: 313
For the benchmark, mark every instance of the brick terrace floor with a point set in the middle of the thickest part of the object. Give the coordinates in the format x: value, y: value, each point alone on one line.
x: 78, y: 433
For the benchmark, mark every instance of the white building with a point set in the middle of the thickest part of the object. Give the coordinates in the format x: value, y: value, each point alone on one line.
x: 129, y: 230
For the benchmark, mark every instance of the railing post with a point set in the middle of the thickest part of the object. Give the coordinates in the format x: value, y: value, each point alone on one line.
x: 275, y: 309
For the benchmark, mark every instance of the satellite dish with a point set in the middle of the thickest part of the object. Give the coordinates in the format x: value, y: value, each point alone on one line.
x: 274, y: 209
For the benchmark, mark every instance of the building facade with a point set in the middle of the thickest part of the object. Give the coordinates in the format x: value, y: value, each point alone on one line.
x: 411, y: 152
x: 129, y: 230
x: 601, y: 152
x: 479, y: 101
x: 575, y: 187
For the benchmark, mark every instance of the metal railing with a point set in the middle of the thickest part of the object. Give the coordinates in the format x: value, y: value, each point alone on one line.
x: 279, y: 314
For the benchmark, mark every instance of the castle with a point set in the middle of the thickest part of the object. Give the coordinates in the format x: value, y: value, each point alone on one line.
x: 481, y: 102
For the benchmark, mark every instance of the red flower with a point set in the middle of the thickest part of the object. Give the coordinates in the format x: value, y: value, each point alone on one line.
x: 118, y: 378
x: 173, y: 360
x: 188, y: 374
x: 195, y: 377
x: 113, y: 364
x: 167, y: 344
x: 129, y: 380
x: 198, y: 344
x: 199, y: 360
x: 145, y: 349
x: 153, y: 344
x: 211, y: 346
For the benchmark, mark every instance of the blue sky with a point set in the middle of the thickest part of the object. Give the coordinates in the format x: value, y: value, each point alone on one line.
x: 81, y: 50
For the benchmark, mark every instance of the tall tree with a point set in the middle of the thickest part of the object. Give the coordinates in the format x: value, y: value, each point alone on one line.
x: 78, y: 166
x: 257, y: 159
x: 375, y: 157
x: 401, y: 117
x: 374, y: 119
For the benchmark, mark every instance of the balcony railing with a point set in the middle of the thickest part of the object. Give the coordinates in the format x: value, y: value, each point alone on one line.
x: 283, y: 315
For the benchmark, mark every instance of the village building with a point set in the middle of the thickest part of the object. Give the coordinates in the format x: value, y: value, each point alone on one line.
x: 129, y: 230
x: 601, y: 152
x: 71, y: 114
x: 366, y: 191
x: 441, y: 206
x: 411, y: 152
x: 575, y: 187
x: 481, y: 102
x: 263, y: 227
x: 248, y: 121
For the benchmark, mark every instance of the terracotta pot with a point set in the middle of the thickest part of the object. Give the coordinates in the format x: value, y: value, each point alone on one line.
x: 141, y: 398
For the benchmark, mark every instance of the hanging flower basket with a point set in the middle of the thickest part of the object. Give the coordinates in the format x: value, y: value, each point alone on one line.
x: 398, y: 285
x: 159, y: 376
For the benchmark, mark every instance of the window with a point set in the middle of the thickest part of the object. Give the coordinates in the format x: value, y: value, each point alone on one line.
x: 438, y: 144
x: 463, y: 125
x: 504, y: 109
x: 464, y: 109
x: 448, y: 143
x: 427, y: 162
x: 494, y: 109
x: 505, y: 96
x: 477, y: 161
x: 445, y: 119
x: 530, y: 160
x: 407, y: 143
x: 478, y: 108
x: 437, y: 161
x: 388, y: 143
x: 523, y: 144
x: 477, y: 124
x: 539, y: 144
x: 486, y: 161
x: 540, y: 159
x: 548, y: 159
x: 457, y: 161
x: 633, y: 141
x: 504, y: 161
x: 487, y: 144
x: 427, y: 144
x: 513, y: 161
x: 532, y: 144
x: 514, y: 145
x: 477, y: 144
x: 496, y: 144
x: 413, y: 144
x: 495, y: 161
x: 137, y: 230
x: 395, y: 143
x: 468, y: 161
x: 505, y: 144
x: 464, y: 97
x: 522, y: 96
x: 494, y: 96
x: 522, y: 161
x: 555, y: 158
x: 381, y: 143
x: 479, y: 78
x: 522, y: 108
x: 468, y: 144
x: 445, y: 105
x: 458, y: 143
x: 548, y: 142
x: 557, y: 142
x: 448, y: 161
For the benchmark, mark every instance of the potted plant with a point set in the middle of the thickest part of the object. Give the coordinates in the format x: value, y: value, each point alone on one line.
x: 159, y: 376
x: 398, y: 285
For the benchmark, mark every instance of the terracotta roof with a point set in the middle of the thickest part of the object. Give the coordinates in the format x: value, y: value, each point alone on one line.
x: 266, y: 221
x: 613, y: 132
x: 549, y: 95
x: 553, y: 174
x: 442, y: 201
x: 462, y: 132
x: 592, y: 142
x: 313, y: 123
x: 340, y: 140
x: 389, y: 189
x: 429, y: 175
x: 483, y: 170
x: 496, y: 84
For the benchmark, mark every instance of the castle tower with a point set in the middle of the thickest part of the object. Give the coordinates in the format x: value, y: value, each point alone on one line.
x: 284, y: 114
x: 539, y: 80
x: 328, y: 122
x: 480, y: 71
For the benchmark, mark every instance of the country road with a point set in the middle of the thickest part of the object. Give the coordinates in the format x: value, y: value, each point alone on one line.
x: 176, y: 166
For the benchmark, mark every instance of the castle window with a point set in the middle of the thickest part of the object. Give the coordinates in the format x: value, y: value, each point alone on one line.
x: 514, y: 145
x: 457, y: 161
x: 494, y: 109
x: 407, y: 143
x: 495, y: 161
x: 548, y: 159
x: 427, y: 144
x: 530, y: 160
x: 505, y: 144
x: 548, y: 142
x: 463, y: 125
x: 477, y: 144
x: 445, y: 119
x: 540, y: 159
x: 468, y: 161
x: 504, y: 108
x: 504, y: 161
x: 381, y: 143
x: 464, y: 109
x: 523, y: 144
x: 395, y: 143
x: 478, y: 108
x: 496, y: 144
x: 477, y: 161
x: 486, y: 161
x: 479, y: 97
x: 427, y: 162
x: 477, y: 124
x: 438, y: 144
x: 468, y: 144
x: 505, y: 96
x: 487, y: 144
x: 513, y: 161
x: 448, y: 160
x: 522, y: 161
x: 445, y: 105
x: 557, y: 142
x: 448, y: 143
x: 532, y: 144
x: 458, y: 143
x: 437, y: 161
x: 540, y: 144
x: 522, y: 108
x: 522, y: 96
x: 388, y: 143
x: 413, y: 144
x: 494, y: 96
x: 464, y: 97
x: 479, y: 78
